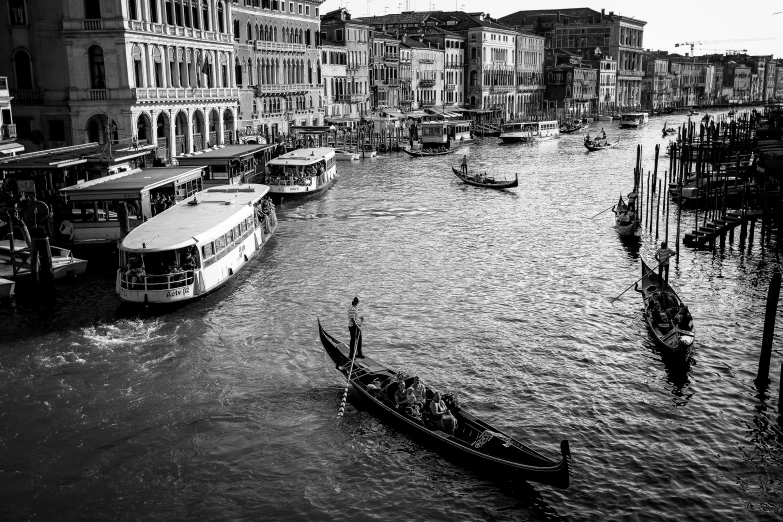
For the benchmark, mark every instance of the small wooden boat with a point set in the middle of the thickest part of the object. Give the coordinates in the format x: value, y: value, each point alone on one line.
x: 486, y: 182
x: 6, y: 289
x: 63, y: 263
x: 424, y: 154
x: 594, y: 145
x: 668, y: 130
x: 625, y: 219
x: 568, y: 128
x: 345, y: 155
x: 474, y: 442
x: 666, y: 334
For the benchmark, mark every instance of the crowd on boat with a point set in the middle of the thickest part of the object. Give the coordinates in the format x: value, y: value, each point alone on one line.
x: 668, y: 313
x: 280, y: 175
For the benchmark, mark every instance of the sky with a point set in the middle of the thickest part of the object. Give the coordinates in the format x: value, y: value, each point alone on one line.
x: 668, y: 21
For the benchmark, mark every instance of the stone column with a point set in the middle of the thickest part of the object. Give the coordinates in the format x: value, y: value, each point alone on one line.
x: 172, y: 135
x: 190, y: 131
x: 220, y: 126
x: 153, y: 128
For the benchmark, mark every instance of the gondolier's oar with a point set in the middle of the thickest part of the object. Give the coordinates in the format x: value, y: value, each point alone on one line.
x: 347, y: 384
x: 602, y: 212
x: 645, y: 275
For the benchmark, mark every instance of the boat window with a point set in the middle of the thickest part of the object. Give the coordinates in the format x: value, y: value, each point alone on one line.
x: 219, y: 172
x: 208, y: 250
x: 249, y: 223
x: 220, y: 244
x: 237, y: 232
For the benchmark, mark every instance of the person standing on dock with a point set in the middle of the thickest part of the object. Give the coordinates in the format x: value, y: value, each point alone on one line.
x: 355, y: 327
x: 662, y: 256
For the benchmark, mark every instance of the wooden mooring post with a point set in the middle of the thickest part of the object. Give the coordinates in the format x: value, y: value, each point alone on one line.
x: 658, y: 209
x: 762, y: 378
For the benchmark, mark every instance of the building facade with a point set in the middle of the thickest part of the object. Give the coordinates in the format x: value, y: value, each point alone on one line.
x: 530, y: 66
x: 277, y: 65
x: 453, y: 46
x: 585, y: 31
x: 407, y: 98
x: 338, y: 28
x: 334, y: 60
x: 124, y: 72
x: 385, y: 71
x: 607, y: 82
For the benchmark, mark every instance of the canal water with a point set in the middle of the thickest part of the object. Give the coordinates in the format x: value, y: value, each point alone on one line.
x: 225, y: 409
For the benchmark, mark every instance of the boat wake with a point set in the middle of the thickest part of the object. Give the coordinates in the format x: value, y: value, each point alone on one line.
x: 134, y: 332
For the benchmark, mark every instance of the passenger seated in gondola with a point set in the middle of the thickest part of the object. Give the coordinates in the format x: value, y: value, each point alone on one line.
x: 411, y: 407
x: 419, y: 390
x: 375, y: 387
x: 440, y: 413
x: 400, y: 397
x: 684, y: 319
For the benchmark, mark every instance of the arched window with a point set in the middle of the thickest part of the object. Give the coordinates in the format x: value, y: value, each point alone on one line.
x: 309, y: 72
x: 249, y: 31
x: 133, y: 11
x: 250, y: 71
x: 473, y: 78
x: 194, y: 10
x: 205, y: 14
x: 238, y: 71
x: 258, y: 36
x: 92, y: 9
x: 236, y: 29
x: 97, y: 68
x: 221, y: 21
x: 22, y: 66
x: 472, y: 53
x: 275, y: 38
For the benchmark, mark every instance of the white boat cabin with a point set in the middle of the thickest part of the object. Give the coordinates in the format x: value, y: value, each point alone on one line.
x: 529, y: 131
x: 196, y: 246
x: 302, y: 172
x: 94, y: 206
x: 634, y: 119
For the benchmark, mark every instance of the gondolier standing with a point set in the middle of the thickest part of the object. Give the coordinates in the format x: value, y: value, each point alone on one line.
x: 465, y: 165
x: 662, y: 256
x: 355, y: 327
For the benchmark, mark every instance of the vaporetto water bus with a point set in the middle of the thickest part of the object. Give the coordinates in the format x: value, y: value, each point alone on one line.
x: 525, y: 132
x: 301, y: 172
x: 196, y: 246
x: 634, y: 120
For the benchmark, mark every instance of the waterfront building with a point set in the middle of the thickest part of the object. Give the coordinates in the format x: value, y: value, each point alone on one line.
x: 571, y: 85
x: 277, y: 66
x: 407, y: 97
x: 8, y: 143
x: 122, y: 71
x: 339, y: 29
x: 427, y: 71
x: 736, y: 82
x: 385, y: 71
x: 768, y: 92
x: 453, y: 46
x: 656, y: 83
x: 607, y: 82
x: 490, y: 73
x: 334, y: 60
x: 584, y: 30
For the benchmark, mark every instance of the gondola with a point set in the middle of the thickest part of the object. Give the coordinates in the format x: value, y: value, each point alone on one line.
x: 488, y: 183
x: 475, y: 443
x: 595, y: 145
x: 667, y: 335
x: 422, y: 154
x: 625, y: 219
x: 568, y: 129
x: 668, y: 130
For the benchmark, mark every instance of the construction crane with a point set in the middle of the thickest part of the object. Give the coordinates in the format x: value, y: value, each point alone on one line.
x: 728, y: 52
x: 693, y: 44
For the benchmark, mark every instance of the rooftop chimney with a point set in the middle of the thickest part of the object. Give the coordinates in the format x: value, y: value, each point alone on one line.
x: 603, y: 11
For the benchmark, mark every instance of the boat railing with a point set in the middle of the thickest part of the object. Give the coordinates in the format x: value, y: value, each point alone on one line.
x: 288, y: 182
x: 152, y: 282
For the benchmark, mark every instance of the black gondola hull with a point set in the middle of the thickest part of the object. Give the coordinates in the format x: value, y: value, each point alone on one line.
x: 545, y: 471
x: 496, y: 186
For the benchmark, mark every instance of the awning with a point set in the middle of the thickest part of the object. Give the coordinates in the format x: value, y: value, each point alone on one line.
x: 11, y: 148
x: 417, y: 114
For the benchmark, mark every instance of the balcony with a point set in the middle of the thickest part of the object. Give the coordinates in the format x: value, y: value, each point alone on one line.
x: 392, y: 82
x: 426, y: 60
x: 8, y: 132
x: 154, y: 94
x: 26, y: 96
x: 285, y: 88
x: 391, y: 57
x: 628, y: 72
x: 350, y: 98
x: 428, y: 103
x: 262, y: 45
x: 451, y: 87
x: 426, y: 83
x: 502, y: 88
